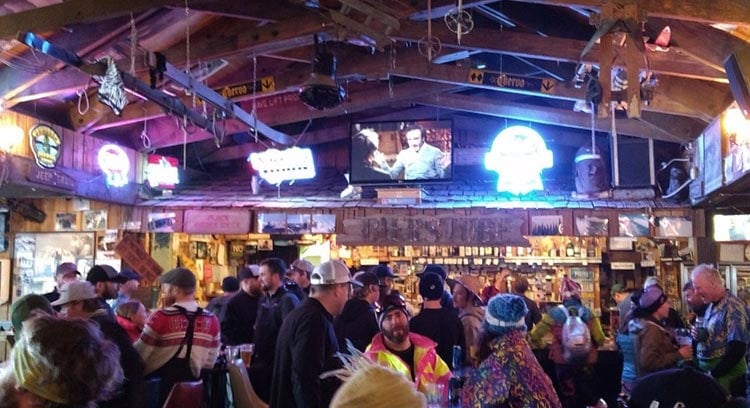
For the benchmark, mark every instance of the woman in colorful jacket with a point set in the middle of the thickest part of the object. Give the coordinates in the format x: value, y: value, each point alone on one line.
x: 408, y: 353
x: 509, y: 374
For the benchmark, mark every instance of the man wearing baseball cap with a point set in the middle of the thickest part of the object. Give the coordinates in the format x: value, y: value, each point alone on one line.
x: 129, y: 288
x: 106, y: 282
x: 79, y: 300
x: 299, y: 273
x: 179, y: 331
x: 238, y: 322
x: 307, y: 345
x: 66, y: 272
x: 357, y: 322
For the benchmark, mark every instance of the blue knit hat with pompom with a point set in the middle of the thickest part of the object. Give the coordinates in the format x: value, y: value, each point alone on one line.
x: 505, y: 313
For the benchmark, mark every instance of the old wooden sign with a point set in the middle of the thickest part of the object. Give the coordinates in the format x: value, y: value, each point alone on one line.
x: 133, y: 253
x: 498, y: 230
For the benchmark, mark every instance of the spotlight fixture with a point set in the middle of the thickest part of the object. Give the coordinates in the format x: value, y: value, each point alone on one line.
x: 321, y: 91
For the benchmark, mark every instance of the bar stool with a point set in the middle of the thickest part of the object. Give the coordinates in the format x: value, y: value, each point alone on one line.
x: 185, y: 395
x: 243, y: 394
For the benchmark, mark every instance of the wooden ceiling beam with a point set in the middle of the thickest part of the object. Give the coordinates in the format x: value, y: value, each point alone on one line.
x: 705, y: 99
x: 72, y: 12
x: 236, y: 37
x: 551, y: 48
x: 704, y: 11
x: 297, y: 112
x: 550, y: 116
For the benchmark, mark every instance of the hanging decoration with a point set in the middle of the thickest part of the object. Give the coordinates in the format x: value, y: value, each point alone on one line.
x: 277, y: 166
x: 429, y: 46
x: 459, y: 21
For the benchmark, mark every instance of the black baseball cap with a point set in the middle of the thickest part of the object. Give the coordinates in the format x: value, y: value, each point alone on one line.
x: 104, y: 273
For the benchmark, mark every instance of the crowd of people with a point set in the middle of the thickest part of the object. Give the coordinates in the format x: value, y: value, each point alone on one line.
x: 324, y: 337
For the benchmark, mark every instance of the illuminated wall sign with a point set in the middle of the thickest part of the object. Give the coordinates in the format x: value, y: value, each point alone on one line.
x: 276, y: 166
x: 115, y: 164
x: 518, y: 155
x: 507, y: 81
x: 161, y: 171
x: 46, y: 144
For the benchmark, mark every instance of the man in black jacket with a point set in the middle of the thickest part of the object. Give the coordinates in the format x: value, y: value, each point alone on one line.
x: 238, y: 320
x: 307, y: 345
x: 358, y: 322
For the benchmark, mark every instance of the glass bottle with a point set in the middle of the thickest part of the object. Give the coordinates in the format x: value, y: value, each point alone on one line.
x: 456, y: 382
x: 570, y: 249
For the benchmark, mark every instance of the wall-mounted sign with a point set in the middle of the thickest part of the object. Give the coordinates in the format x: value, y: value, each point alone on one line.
x: 132, y: 253
x: 46, y: 144
x: 115, y: 164
x: 161, y: 172
x: 276, y: 166
x: 500, y: 230
x: 622, y: 266
x: 52, y: 177
x: 265, y: 84
x: 508, y: 81
x: 216, y: 222
x: 518, y: 155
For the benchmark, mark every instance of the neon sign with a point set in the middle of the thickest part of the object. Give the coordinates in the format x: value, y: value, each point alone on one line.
x: 518, y: 155
x: 276, y: 166
x: 115, y: 164
x: 161, y: 172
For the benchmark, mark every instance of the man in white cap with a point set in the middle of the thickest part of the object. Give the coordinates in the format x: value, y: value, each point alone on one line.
x: 79, y: 300
x: 307, y: 345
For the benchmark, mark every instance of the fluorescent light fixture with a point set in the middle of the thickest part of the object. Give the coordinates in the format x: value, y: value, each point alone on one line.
x: 276, y: 166
x: 518, y: 155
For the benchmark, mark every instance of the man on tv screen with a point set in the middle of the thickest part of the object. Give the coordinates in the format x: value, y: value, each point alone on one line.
x: 419, y: 160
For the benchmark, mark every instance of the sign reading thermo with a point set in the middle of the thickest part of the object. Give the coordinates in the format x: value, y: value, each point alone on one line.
x: 216, y: 222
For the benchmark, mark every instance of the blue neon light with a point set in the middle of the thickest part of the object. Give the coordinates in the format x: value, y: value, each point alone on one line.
x: 518, y: 155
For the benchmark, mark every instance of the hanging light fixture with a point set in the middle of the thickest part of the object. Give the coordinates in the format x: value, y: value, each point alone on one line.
x: 321, y: 91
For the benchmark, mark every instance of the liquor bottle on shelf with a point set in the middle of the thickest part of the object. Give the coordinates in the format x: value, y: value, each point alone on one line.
x: 576, y: 249
x: 570, y: 249
x: 590, y: 250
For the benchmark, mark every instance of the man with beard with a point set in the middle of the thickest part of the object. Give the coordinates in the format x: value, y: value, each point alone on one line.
x: 181, y: 338
x: 106, y: 282
x: 274, y: 307
x: 410, y: 354
x: 307, y: 345
x: 242, y: 309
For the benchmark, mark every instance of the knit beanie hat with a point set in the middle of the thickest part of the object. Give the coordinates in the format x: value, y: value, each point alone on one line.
x: 23, y: 308
x: 505, y: 312
x: 394, y: 301
x: 569, y: 289
x: 434, y: 268
x: 431, y: 286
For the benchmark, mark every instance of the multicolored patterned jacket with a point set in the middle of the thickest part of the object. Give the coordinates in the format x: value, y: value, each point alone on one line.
x: 510, y: 377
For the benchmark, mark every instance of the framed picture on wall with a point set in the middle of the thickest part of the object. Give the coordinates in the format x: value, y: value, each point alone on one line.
x: 633, y: 225
x: 712, y: 164
x: 65, y: 222
x: 546, y: 225
x: 589, y: 226
x: 674, y: 227
x: 94, y: 220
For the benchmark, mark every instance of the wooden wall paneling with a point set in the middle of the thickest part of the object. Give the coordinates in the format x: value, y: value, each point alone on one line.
x: 567, y: 221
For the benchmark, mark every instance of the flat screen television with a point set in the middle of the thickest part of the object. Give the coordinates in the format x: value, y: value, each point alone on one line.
x: 408, y: 152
